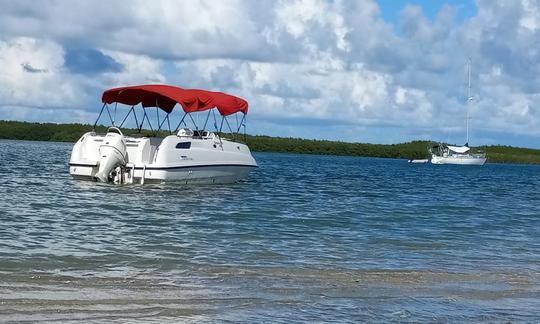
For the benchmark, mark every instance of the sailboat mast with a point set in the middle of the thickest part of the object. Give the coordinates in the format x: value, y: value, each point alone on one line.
x: 469, y: 98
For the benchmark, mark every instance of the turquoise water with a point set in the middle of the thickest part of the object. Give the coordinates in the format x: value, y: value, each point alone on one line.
x: 305, y: 238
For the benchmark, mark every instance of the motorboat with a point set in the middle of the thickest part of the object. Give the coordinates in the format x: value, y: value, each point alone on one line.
x: 449, y: 154
x: 185, y: 154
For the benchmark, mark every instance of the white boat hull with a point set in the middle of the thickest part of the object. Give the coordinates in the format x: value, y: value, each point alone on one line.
x: 419, y: 161
x: 459, y: 160
x: 208, y: 174
x: 202, y: 160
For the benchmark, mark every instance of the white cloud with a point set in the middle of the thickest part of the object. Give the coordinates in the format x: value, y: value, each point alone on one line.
x: 298, y: 18
x: 137, y: 69
x: 531, y: 16
x: 33, y: 75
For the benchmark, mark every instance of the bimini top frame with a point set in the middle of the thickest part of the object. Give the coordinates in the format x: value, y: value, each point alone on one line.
x: 165, y: 97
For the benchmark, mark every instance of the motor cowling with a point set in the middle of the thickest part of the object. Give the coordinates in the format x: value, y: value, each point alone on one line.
x: 112, y: 153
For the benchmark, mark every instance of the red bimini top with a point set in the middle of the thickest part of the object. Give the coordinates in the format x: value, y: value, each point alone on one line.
x: 166, y: 97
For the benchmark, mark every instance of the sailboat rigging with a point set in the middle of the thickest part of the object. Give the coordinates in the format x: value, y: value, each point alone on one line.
x: 448, y: 154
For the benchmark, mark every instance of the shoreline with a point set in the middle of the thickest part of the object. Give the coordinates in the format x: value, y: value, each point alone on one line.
x: 50, y: 132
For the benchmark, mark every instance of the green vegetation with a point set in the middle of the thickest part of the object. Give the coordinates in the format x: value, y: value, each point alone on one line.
x: 51, y: 132
x: 509, y: 154
x: 410, y: 150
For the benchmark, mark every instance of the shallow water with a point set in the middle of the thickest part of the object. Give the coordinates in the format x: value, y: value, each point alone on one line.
x: 305, y: 238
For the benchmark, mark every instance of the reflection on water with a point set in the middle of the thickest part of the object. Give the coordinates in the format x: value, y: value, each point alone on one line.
x: 304, y: 238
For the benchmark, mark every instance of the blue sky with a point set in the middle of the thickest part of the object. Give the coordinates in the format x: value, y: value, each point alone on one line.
x: 384, y: 71
x: 391, y: 9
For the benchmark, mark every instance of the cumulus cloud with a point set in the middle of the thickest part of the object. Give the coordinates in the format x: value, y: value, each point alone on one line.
x: 310, y: 68
x: 20, y: 84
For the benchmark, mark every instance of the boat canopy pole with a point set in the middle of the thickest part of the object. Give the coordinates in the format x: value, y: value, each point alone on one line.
x: 148, y: 119
x: 180, y: 123
x: 99, y: 116
x: 215, y: 120
x: 169, y: 124
x: 229, y: 125
x: 129, y: 112
x: 216, y: 127
x: 108, y: 112
x: 163, y: 122
x: 194, y: 123
x: 241, y: 123
x: 221, y: 126
x: 114, y: 116
x: 142, y: 120
x: 206, y: 121
x: 157, y: 115
x: 245, y: 122
x: 135, y: 114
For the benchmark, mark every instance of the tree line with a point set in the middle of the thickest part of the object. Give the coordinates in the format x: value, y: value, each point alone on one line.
x: 410, y: 150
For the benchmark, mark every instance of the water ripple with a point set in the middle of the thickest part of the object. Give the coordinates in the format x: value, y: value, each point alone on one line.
x: 305, y: 238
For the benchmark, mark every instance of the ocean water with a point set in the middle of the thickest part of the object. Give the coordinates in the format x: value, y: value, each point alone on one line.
x: 304, y: 239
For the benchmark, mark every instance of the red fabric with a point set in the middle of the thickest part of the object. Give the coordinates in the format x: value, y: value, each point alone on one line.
x: 166, y: 97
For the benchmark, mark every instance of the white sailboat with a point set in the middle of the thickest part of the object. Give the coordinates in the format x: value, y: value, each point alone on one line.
x: 448, y: 154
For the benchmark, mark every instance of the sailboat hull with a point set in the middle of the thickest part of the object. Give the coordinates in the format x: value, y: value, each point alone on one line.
x: 459, y: 160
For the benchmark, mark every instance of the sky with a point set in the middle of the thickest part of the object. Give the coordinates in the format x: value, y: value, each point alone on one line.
x: 386, y: 71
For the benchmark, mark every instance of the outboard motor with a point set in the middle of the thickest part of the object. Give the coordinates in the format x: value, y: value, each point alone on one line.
x: 112, y: 153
